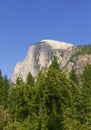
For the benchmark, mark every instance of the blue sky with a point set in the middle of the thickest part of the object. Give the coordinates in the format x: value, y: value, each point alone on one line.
x: 23, y: 22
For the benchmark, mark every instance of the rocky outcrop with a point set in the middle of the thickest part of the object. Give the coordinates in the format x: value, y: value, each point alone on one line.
x: 79, y: 63
x: 40, y: 55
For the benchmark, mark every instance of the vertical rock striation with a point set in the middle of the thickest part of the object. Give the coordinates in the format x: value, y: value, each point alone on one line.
x: 40, y: 55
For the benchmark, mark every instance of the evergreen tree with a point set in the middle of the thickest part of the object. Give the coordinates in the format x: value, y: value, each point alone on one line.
x: 38, y: 116
x: 4, y: 117
x: 4, y: 90
x: 30, y: 80
x: 4, y: 94
x: 20, y: 101
x: 68, y: 94
x: 50, y: 105
x: 1, y: 89
x: 53, y: 102
x: 73, y: 76
x: 55, y: 64
x: 85, y: 106
x: 19, y: 80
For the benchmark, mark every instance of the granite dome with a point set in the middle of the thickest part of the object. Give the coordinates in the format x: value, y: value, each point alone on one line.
x: 40, y: 55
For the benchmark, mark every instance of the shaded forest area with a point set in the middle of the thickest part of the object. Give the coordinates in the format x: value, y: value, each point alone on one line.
x: 57, y: 100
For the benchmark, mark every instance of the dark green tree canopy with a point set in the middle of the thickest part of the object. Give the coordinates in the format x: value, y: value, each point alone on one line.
x: 55, y: 101
x: 55, y: 64
x: 30, y: 79
x: 73, y: 76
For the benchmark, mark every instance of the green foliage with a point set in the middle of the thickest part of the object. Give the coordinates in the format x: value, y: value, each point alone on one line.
x: 55, y: 101
x: 15, y: 126
x: 30, y: 80
x: 86, y: 96
x: 73, y: 76
x: 55, y: 64
x: 20, y: 96
x: 85, y: 50
x: 19, y: 81
x: 4, y: 90
x: 4, y: 117
x: 39, y: 116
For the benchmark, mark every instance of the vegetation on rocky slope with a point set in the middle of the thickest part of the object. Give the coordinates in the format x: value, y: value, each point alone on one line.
x: 81, y: 50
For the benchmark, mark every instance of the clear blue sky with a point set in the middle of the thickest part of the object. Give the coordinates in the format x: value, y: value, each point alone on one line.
x: 23, y: 22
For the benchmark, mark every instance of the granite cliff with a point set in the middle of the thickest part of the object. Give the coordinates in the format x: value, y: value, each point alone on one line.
x: 40, y: 55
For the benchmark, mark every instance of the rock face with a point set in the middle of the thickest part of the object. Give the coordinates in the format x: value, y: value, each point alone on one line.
x: 40, y: 55
x: 81, y: 62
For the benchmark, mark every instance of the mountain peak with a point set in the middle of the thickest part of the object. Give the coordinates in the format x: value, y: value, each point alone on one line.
x: 57, y: 44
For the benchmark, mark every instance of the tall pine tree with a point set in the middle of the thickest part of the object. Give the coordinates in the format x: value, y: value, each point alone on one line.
x: 85, y: 107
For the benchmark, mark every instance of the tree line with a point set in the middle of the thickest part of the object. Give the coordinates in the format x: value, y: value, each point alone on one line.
x: 56, y: 100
